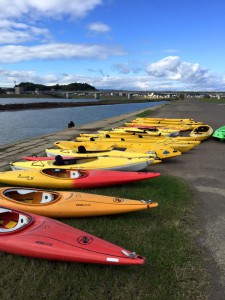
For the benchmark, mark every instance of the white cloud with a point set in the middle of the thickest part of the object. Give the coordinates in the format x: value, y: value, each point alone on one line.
x: 178, y: 72
x: 15, y: 33
x: 169, y: 73
x: 166, y: 67
x: 50, y: 8
x: 13, y: 53
x: 99, y: 27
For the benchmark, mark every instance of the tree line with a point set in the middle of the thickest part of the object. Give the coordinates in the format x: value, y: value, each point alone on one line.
x: 75, y: 86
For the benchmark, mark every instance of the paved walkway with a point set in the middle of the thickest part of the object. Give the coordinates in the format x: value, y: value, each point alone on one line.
x: 204, y: 169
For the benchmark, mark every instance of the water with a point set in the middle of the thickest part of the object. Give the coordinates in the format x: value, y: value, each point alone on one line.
x: 33, y: 100
x: 24, y: 124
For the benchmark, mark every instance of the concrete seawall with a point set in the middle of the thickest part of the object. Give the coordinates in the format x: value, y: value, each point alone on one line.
x: 37, y: 146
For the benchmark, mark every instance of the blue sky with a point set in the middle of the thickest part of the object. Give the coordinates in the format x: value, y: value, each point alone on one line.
x: 111, y: 44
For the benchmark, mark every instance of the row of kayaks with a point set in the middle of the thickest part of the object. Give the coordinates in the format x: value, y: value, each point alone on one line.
x: 107, y: 158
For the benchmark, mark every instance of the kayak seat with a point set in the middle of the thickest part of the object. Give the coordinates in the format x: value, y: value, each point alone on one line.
x: 11, y: 224
x: 59, y: 161
x: 12, y: 220
x: 81, y: 149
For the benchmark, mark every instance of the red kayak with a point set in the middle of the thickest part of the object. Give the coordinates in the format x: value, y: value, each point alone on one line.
x: 40, y: 237
x: 71, y: 178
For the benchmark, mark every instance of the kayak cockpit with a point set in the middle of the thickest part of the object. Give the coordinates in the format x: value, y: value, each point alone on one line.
x: 12, y: 220
x: 30, y: 196
x: 65, y: 173
x: 60, y: 161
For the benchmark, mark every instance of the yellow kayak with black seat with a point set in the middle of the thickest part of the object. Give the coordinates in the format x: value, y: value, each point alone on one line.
x: 162, y: 151
x: 90, y: 163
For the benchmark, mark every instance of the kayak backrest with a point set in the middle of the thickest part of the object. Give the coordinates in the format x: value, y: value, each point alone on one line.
x: 59, y: 161
x: 74, y: 174
x: 47, y: 197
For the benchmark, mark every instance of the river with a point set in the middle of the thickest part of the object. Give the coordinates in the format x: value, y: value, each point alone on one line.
x: 39, y: 100
x: 25, y: 124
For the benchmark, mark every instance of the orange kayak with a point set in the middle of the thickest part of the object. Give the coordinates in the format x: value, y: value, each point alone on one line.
x: 57, y: 204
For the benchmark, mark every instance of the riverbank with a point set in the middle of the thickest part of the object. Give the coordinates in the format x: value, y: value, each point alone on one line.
x: 45, y: 105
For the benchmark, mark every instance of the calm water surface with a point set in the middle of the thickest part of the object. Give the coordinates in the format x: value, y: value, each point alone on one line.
x: 24, y: 124
x: 33, y: 100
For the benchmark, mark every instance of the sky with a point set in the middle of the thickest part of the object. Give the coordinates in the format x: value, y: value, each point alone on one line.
x: 146, y: 45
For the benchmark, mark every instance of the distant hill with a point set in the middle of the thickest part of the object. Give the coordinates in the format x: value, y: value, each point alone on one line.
x: 29, y: 87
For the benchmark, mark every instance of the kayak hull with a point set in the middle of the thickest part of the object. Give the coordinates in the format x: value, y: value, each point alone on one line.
x: 61, y: 204
x: 107, y: 163
x: 44, y: 238
x: 69, y: 179
x: 162, y: 151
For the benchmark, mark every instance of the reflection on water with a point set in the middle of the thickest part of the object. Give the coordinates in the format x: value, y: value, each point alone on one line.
x: 24, y: 124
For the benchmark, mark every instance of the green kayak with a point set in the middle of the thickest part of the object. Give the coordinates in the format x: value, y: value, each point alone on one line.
x: 220, y: 133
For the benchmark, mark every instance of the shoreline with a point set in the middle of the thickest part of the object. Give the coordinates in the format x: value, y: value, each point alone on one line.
x: 46, y: 105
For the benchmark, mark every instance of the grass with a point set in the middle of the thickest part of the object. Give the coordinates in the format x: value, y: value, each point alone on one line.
x: 145, y: 113
x: 164, y: 235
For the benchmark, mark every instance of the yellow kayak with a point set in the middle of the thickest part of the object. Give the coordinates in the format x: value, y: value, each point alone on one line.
x: 202, y: 132
x: 90, y: 163
x: 180, y: 127
x: 162, y: 151
x: 167, y: 121
x: 182, y: 146
x: 149, y: 131
x: 61, y: 204
x: 113, y: 153
x: 58, y: 178
x: 184, y: 120
x: 111, y: 134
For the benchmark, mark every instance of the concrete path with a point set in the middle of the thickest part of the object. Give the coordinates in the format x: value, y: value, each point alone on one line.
x: 204, y: 169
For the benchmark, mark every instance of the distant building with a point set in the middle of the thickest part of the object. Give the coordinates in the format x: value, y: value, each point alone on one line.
x: 19, y: 90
